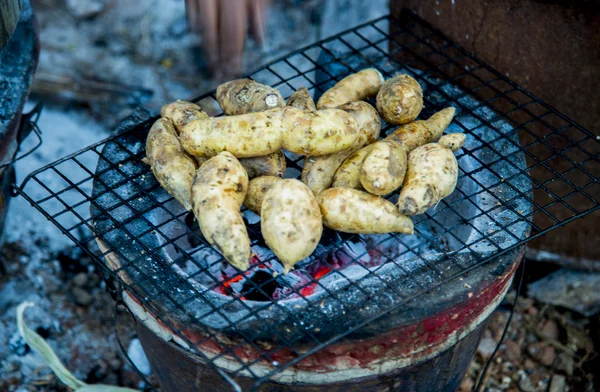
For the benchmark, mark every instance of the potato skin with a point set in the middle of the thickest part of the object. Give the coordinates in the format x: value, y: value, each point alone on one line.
x: 267, y: 165
x: 318, y: 172
x: 246, y: 135
x: 218, y: 191
x: 348, y: 174
x: 400, y: 99
x: 355, y: 87
x: 421, y: 132
x: 353, y: 211
x: 243, y: 96
x: 453, y: 141
x: 432, y: 175
x: 257, y: 188
x: 291, y: 221
x: 318, y: 133
x: 171, y: 166
x: 384, y: 167
x: 182, y: 113
x: 301, y: 99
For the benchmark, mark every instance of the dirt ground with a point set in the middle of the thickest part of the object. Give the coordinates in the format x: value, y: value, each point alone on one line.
x: 94, y: 69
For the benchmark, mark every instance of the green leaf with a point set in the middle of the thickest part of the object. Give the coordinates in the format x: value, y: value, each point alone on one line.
x: 37, y: 343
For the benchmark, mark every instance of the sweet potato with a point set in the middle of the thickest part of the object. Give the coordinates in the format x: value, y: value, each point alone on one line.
x: 353, y: 211
x: 355, y: 87
x: 421, y: 132
x: 246, y: 135
x: 267, y: 165
x: 182, y: 112
x: 171, y: 166
x: 243, y: 96
x: 257, y: 188
x: 318, y: 172
x: 319, y: 132
x: 432, y: 175
x: 256, y: 134
x: 301, y: 99
x: 348, y: 174
x: 291, y: 221
x: 383, y: 169
x: 218, y: 191
x: 400, y: 99
x: 453, y: 141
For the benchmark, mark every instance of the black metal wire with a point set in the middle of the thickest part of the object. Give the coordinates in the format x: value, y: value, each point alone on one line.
x: 480, y: 384
x: 557, y: 151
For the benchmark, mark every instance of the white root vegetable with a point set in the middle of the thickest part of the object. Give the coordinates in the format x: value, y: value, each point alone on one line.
x: 355, y: 87
x: 383, y: 169
x: 291, y: 221
x: 171, y: 166
x: 432, y: 175
x: 182, y: 113
x: 421, y: 132
x: 301, y: 99
x: 353, y: 211
x: 218, y: 191
x: 257, y: 188
x: 243, y: 96
x: 256, y: 134
x: 400, y: 99
x: 318, y: 172
x: 267, y: 165
x: 453, y: 141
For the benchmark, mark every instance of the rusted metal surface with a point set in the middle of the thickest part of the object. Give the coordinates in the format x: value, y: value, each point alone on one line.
x: 395, y: 360
x: 552, y: 49
x: 179, y: 371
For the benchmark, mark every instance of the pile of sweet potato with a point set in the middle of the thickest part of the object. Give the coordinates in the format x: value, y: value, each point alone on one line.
x: 214, y: 165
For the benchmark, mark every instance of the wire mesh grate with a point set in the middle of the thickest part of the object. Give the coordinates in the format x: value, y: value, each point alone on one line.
x: 525, y: 170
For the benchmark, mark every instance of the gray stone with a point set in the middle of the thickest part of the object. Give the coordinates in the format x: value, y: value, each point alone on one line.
x: 575, y: 290
x: 558, y: 383
x: 81, y: 296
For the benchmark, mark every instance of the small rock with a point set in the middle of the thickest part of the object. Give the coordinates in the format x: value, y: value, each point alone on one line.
x: 550, y: 330
x: 542, y: 352
x: 526, y: 385
x: 486, y: 347
x: 81, y: 297
x: 528, y: 364
x: 565, y: 363
x: 558, y: 383
x: 513, y: 350
x: 467, y: 384
x: 80, y: 279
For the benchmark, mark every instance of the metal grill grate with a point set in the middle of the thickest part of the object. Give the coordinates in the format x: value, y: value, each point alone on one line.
x: 525, y: 168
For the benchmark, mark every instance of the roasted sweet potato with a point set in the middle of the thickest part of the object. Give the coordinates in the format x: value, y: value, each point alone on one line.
x: 171, y: 166
x: 432, y: 175
x: 453, y: 141
x: 182, y: 113
x: 355, y: 87
x: 255, y: 134
x: 257, y: 188
x: 243, y: 96
x: 383, y: 169
x: 421, y: 132
x: 218, y: 191
x: 400, y: 99
x: 353, y: 211
x: 291, y: 221
x: 268, y: 165
x: 318, y: 172
x: 301, y: 99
